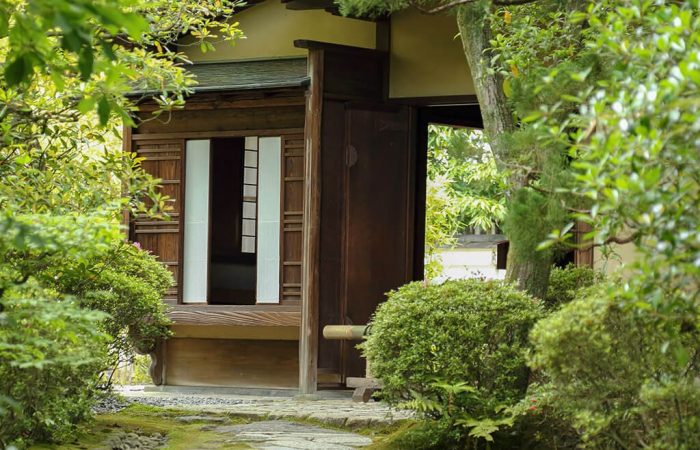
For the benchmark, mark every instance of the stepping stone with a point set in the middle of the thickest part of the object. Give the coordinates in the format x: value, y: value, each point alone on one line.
x: 280, y: 434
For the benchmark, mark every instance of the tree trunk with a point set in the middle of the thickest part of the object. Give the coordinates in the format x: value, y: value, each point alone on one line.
x: 530, y: 272
x: 475, y: 32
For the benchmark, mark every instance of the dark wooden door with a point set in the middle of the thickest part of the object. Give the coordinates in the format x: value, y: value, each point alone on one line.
x: 378, y: 218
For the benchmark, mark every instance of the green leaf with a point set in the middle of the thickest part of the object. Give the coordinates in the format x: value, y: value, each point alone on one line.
x: 570, y: 98
x: 58, y: 80
x: 681, y: 354
x: 4, y: 25
x: 18, y: 71
x: 108, y: 51
x: 103, y: 110
x: 86, y: 61
x: 24, y: 158
x: 86, y: 104
x: 135, y: 25
x: 507, y: 89
x: 581, y: 76
x: 531, y: 117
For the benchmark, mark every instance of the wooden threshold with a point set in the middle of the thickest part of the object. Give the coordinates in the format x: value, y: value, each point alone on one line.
x: 237, y: 315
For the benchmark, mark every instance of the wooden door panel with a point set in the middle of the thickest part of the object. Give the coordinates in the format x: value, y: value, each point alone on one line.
x: 292, y: 203
x: 378, y: 181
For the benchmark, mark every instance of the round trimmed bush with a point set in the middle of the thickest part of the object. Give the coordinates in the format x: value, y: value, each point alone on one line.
x: 470, y: 332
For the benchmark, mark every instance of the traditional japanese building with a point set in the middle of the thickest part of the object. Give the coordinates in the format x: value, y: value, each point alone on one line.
x: 297, y: 171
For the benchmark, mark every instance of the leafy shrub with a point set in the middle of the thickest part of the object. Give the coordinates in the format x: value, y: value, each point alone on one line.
x: 454, y: 351
x: 66, y: 320
x: 566, y: 283
x: 128, y: 284
x: 50, y: 355
x: 617, y: 378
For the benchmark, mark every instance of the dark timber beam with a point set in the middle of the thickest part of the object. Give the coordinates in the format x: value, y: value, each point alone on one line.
x: 311, y: 229
x: 308, y: 4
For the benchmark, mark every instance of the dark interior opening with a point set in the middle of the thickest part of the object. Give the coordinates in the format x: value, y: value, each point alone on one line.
x: 232, y: 271
x: 565, y: 259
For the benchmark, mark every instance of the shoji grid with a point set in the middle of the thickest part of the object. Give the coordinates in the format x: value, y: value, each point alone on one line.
x: 250, y: 196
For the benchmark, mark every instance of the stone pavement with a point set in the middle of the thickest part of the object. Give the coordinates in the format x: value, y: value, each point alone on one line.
x: 341, y: 412
x: 282, y: 435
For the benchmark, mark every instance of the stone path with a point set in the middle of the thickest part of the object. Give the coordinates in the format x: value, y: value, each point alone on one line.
x: 337, y: 411
x: 275, y: 428
x: 282, y: 435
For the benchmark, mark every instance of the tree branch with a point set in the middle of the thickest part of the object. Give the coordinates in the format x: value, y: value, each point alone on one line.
x: 456, y: 3
x: 613, y: 240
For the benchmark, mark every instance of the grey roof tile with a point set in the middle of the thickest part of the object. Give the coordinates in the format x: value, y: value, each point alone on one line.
x: 245, y: 75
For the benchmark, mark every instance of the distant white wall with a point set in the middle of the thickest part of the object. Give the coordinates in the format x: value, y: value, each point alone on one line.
x: 459, y: 263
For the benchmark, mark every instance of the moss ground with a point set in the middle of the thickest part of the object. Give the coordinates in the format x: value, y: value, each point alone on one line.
x: 150, y: 420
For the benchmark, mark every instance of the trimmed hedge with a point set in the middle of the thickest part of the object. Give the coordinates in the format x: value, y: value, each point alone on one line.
x: 462, y: 331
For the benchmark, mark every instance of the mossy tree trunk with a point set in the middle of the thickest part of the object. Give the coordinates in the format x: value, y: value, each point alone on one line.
x: 528, y: 270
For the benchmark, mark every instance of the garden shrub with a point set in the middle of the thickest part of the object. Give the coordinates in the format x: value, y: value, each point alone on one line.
x: 51, y: 352
x: 454, y: 351
x: 65, y: 321
x: 128, y: 284
x: 615, y: 376
x: 565, y: 283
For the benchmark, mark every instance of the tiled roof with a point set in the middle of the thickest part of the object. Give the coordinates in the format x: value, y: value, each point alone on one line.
x: 246, y: 75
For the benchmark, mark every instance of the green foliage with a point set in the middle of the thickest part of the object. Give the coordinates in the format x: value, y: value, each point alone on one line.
x: 133, y: 369
x: 68, y: 315
x: 464, y: 190
x: 567, y: 283
x: 615, y: 379
x: 639, y: 163
x: 621, y: 360
x: 454, y: 351
x: 126, y: 283
x: 634, y: 136
x: 50, y: 354
x: 531, y: 217
x: 67, y: 69
x: 89, y: 53
x: 463, y: 159
x: 441, y: 224
x: 371, y: 8
x: 536, y: 47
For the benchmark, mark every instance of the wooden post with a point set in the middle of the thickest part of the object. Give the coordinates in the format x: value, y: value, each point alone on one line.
x: 126, y: 148
x: 308, y: 339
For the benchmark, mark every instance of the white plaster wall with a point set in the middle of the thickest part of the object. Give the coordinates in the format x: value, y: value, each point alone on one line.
x: 462, y: 263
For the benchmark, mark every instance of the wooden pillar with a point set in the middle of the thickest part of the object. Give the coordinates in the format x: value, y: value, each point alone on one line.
x: 126, y: 148
x: 308, y: 340
x: 584, y: 254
